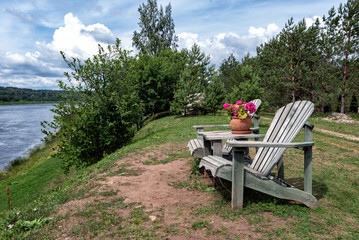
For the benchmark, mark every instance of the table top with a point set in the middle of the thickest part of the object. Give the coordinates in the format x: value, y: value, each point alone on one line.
x: 219, y: 135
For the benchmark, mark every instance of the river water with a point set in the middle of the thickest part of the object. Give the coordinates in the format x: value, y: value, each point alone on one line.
x: 20, y: 129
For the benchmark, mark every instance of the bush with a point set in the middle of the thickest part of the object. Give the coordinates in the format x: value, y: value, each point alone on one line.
x: 100, y: 110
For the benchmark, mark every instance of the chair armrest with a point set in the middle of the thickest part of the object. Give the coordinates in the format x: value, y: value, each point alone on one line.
x: 210, y: 126
x: 233, y: 143
x: 200, y: 128
x: 254, y: 129
x: 256, y: 116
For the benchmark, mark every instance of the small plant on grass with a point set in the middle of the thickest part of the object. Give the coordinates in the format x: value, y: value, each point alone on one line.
x: 9, y: 202
x: 200, y: 224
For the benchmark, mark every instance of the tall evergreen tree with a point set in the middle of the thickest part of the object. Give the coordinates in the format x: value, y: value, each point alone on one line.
x: 214, y: 94
x: 229, y: 71
x: 348, y: 46
x: 157, y: 29
x: 193, y: 80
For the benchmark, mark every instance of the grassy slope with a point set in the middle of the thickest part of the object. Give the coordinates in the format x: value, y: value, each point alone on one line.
x: 335, y: 184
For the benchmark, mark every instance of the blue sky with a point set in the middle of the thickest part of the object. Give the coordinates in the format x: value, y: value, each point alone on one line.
x: 33, y: 32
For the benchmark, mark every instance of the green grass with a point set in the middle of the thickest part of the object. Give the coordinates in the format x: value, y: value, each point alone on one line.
x: 29, y: 180
x: 38, y: 188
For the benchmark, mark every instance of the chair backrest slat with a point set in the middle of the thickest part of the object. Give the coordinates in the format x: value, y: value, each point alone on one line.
x: 285, y: 126
x: 256, y: 102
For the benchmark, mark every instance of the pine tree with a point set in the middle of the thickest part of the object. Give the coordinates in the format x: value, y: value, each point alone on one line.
x: 214, y: 94
x: 348, y: 46
x: 157, y: 29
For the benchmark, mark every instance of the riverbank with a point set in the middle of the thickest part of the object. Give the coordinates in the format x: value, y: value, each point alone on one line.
x: 27, y: 102
x: 29, y: 178
x: 152, y: 189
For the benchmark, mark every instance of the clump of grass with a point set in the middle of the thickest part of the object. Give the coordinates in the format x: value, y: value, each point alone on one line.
x: 200, y: 224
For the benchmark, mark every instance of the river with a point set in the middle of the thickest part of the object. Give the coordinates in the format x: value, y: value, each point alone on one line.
x: 20, y: 129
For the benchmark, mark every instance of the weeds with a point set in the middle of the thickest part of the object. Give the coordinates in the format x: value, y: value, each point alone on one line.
x: 335, y: 184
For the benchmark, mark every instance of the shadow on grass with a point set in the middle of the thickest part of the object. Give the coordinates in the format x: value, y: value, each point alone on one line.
x: 319, y: 189
x: 255, y: 197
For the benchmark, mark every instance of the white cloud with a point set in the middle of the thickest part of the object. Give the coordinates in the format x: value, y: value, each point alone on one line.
x: 43, y: 68
x: 310, y: 21
x: 222, y: 45
x: 78, y: 40
x: 186, y: 39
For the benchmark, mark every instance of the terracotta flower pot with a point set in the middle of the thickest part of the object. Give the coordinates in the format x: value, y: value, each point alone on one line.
x: 240, y: 126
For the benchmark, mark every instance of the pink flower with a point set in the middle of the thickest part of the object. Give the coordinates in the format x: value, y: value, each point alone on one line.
x: 239, y: 102
x: 250, y: 107
x: 226, y: 105
x: 235, y: 109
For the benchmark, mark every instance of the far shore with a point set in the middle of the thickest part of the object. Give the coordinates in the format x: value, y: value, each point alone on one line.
x: 27, y: 102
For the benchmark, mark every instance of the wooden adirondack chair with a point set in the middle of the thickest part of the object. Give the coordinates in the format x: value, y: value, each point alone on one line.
x: 196, y: 145
x: 286, y: 124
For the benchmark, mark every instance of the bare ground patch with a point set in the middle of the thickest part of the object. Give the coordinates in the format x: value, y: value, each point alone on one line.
x: 146, y: 200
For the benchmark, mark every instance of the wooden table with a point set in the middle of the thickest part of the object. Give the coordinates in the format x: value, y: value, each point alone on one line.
x: 214, y: 138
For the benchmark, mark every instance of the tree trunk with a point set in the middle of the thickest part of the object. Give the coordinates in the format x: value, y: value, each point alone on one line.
x: 342, y: 100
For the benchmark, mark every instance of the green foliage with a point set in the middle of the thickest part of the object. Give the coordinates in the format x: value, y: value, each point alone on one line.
x: 249, y: 89
x: 106, y: 112
x: 12, y: 94
x: 187, y: 93
x: 214, y: 94
x: 317, y: 62
x: 156, y: 77
x: 190, y: 89
x: 157, y: 29
x: 337, y: 189
x: 229, y: 73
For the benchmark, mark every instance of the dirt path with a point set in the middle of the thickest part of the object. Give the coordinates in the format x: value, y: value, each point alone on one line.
x: 151, y: 187
x: 346, y: 136
x: 341, y: 135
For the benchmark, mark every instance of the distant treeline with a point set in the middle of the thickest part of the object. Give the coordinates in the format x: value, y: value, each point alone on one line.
x: 13, y: 94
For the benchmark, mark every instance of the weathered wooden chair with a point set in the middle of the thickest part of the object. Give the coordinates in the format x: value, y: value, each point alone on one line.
x: 286, y: 124
x: 195, y: 146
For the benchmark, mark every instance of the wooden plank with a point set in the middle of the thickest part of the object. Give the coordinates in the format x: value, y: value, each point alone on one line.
x: 207, y: 147
x: 270, y: 187
x: 238, y: 178
x: 213, y: 163
x: 280, y: 167
x: 210, y: 126
x: 278, y: 127
x: 269, y: 144
x: 308, y: 159
x: 296, y: 122
x: 217, y: 147
x: 285, y: 126
x: 308, y: 170
x: 216, y: 135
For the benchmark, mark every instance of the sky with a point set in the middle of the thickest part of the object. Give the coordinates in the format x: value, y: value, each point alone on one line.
x: 33, y: 32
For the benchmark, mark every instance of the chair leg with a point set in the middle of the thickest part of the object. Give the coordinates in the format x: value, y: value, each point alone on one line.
x: 280, y: 167
x: 308, y: 170
x: 238, y: 178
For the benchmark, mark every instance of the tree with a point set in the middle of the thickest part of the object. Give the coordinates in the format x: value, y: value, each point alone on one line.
x: 157, y: 29
x: 229, y: 71
x: 187, y: 94
x: 249, y: 89
x: 214, y: 94
x: 325, y: 88
x: 193, y: 80
x: 157, y: 77
x: 287, y: 63
x: 348, y: 43
x: 100, y: 110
